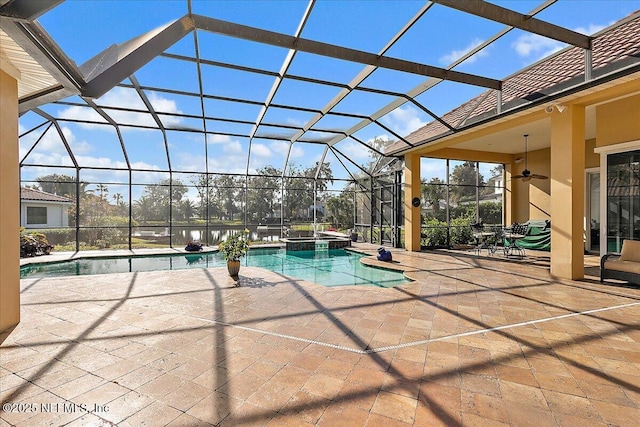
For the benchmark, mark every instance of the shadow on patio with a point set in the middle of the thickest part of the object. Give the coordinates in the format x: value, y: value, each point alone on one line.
x: 470, y: 341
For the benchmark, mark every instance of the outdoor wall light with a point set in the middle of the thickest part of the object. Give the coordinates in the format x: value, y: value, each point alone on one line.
x: 561, y: 108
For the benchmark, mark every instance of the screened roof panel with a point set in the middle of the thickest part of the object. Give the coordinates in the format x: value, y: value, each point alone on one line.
x: 224, y: 127
x: 119, y: 96
x: 439, y: 36
x: 441, y: 98
x: 242, y: 64
x: 102, y: 149
x: 100, y: 24
x: 249, y: 86
x: 307, y: 155
x: 274, y: 132
x: 227, y: 109
x: 275, y: 115
x: 183, y: 75
x: 342, y: 167
x: 219, y: 48
x: 304, y: 94
x: 145, y: 148
x: 132, y: 118
x: 269, y: 153
x: 394, y: 81
x: 171, y: 121
x: 357, y: 24
x: 323, y: 68
x: 317, y: 137
x: 363, y: 103
x: 284, y: 15
x: 405, y: 119
x: 335, y: 123
x: 172, y: 103
x: 358, y: 153
x: 183, y: 47
x: 81, y: 113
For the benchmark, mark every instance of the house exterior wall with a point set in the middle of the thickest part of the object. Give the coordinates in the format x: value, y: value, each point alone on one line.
x: 9, y: 205
x: 56, y: 214
x: 533, y: 199
x: 618, y: 121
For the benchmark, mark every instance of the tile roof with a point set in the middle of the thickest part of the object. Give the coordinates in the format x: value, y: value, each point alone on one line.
x: 31, y: 194
x: 612, y: 49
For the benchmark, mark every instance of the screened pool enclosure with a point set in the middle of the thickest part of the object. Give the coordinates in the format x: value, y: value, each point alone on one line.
x: 207, y: 122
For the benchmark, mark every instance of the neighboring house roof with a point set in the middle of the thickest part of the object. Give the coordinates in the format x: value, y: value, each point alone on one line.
x: 41, y: 196
x: 613, y: 49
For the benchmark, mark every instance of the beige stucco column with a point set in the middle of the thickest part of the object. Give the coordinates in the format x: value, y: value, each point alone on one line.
x: 9, y: 205
x: 411, y: 213
x: 567, y: 192
x: 509, y: 196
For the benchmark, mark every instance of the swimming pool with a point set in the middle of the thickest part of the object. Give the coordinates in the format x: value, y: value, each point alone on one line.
x: 335, y: 267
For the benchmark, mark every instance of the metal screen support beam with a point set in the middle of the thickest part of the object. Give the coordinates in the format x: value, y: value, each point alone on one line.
x: 524, y: 22
x: 332, y: 51
x: 27, y: 10
x: 588, y: 65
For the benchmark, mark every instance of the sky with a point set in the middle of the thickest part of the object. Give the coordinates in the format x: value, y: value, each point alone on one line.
x: 84, y: 28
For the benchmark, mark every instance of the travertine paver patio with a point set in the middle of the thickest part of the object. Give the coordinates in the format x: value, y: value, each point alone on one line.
x: 472, y: 341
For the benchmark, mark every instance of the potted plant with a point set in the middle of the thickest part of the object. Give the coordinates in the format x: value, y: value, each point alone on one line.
x: 234, y: 248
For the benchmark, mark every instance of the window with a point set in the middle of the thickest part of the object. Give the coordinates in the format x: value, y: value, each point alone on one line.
x: 36, y: 215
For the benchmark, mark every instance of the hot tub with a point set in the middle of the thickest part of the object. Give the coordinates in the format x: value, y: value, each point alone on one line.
x: 310, y: 243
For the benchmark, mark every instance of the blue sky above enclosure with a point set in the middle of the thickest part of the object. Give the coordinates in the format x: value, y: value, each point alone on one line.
x: 236, y: 92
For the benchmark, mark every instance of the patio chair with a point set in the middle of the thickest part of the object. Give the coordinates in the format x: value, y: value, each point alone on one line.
x: 480, y: 235
x: 513, y: 234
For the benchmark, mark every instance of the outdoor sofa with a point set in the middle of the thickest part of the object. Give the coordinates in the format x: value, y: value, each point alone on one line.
x: 624, y: 265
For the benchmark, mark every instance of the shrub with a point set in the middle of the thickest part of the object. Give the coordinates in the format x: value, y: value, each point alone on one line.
x: 434, y: 233
x: 460, y: 232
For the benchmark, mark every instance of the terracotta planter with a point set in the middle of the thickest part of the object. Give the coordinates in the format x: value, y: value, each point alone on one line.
x: 233, y: 267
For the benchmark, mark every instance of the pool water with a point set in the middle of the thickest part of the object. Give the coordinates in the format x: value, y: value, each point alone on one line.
x: 335, y: 267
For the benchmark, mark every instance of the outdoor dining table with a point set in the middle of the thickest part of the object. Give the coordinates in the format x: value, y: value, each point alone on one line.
x: 481, y: 237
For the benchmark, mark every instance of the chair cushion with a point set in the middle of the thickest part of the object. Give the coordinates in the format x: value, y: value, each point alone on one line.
x: 626, y: 266
x: 630, y: 251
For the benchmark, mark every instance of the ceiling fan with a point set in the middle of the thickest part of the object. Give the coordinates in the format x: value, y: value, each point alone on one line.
x: 526, y: 173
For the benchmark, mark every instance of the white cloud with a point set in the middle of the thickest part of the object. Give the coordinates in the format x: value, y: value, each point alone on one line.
x: 232, y: 147
x: 354, y: 151
x: 125, y: 98
x: 534, y: 45
x: 454, y: 55
x: 218, y: 139
x: 404, y: 120
x: 260, y: 150
x: 592, y: 28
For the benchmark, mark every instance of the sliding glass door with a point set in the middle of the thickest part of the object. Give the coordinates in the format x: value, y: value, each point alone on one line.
x: 623, y: 198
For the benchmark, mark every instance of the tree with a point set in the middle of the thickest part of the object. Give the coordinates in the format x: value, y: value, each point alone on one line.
x: 340, y: 210
x: 157, y: 199
x: 264, y: 193
x: 433, y: 192
x: 62, y: 185
x: 463, y: 180
x: 225, y: 194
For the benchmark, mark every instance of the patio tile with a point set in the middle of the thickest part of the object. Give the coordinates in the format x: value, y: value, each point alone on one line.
x: 152, y: 362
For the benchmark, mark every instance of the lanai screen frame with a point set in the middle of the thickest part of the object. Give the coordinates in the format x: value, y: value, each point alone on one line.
x: 102, y: 73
